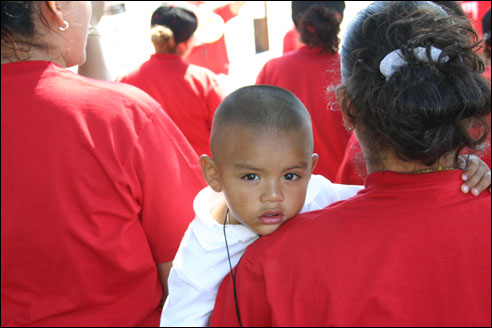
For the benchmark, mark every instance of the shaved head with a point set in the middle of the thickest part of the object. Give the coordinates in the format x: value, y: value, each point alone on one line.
x: 261, y: 109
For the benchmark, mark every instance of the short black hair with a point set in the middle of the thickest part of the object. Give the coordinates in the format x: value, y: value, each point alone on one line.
x: 181, y: 21
x: 262, y: 108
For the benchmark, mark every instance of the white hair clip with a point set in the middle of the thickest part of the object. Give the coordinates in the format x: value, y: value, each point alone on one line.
x: 395, y: 59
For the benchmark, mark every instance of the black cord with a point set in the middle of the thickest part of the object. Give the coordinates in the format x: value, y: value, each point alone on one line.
x: 233, y: 274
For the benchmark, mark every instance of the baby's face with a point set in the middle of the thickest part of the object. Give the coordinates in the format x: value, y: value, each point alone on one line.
x: 264, y: 177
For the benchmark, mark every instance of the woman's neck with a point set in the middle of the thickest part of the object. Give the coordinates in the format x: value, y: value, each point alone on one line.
x: 33, y: 55
x: 390, y: 162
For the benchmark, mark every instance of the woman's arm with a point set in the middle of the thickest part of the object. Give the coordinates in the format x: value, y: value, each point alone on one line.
x: 94, y: 65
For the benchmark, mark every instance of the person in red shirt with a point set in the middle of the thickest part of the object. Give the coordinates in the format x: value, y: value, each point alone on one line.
x: 291, y: 40
x: 409, y: 249
x: 309, y: 71
x: 351, y: 171
x: 97, y: 181
x: 292, y: 37
x: 189, y: 94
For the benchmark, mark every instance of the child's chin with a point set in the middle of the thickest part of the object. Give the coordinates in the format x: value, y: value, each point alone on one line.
x: 267, y: 229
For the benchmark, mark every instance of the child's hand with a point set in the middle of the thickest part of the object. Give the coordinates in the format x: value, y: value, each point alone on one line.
x: 476, y: 174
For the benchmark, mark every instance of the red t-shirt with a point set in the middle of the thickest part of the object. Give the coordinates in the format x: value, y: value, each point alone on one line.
x: 188, y: 93
x: 97, y: 186
x: 307, y: 73
x: 409, y: 250
x: 291, y: 40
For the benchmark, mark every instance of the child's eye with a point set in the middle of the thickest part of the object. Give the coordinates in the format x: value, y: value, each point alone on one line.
x: 291, y: 176
x: 250, y: 177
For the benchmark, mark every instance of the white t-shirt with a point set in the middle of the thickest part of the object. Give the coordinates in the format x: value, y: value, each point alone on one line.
x: 201, y: 262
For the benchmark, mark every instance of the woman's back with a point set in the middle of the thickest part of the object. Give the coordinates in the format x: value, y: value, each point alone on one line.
x: 407, y: 250
x: 308, y: 73
x: 189, y: 94
x: 88, y: 204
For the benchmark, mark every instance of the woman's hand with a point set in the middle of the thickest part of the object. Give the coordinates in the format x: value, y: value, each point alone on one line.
x: 476, y: 174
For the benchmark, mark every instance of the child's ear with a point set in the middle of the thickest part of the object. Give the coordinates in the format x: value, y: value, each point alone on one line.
x: 314, y: 161
x: 210, y: 173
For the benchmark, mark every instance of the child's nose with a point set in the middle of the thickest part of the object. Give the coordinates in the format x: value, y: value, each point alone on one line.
x: 272, y: 193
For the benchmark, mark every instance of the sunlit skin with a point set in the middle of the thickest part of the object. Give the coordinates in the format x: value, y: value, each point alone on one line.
x: 264, y: 176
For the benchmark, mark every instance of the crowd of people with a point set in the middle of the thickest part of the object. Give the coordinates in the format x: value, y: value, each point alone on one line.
x: 350, y: 186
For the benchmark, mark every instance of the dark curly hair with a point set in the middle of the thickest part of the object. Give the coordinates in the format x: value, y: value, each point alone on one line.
x: 319, y: 27
x: 425, y: 110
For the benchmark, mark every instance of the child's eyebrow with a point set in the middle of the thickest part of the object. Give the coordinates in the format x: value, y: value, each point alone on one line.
x: 302, y: 165
x: 241, y: 166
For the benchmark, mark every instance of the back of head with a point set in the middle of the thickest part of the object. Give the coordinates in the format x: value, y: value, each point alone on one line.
x: 425, y: 109
x: 172, y: 25
x: 318, y: 23
x: 260, y: 109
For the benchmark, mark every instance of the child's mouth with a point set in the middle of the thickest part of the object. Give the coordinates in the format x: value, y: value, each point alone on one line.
x: 271, y: 217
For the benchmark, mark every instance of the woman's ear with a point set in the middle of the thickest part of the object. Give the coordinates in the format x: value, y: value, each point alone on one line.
x: 210, y: 172
x: 347, y: 109
x: 53, y: 11
x: 314, y: 161
x: 348, y: 122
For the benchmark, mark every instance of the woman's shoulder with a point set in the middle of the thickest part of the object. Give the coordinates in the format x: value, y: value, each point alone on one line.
x: 200, y: 72
x: 109, y: 96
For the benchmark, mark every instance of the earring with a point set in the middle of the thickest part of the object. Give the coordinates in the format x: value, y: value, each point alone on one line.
x: 65, y: 27
x: 350, y: 128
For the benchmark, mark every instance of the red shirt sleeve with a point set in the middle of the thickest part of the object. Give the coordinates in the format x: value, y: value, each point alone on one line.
x: 164, y: 162
x: 254, y: 308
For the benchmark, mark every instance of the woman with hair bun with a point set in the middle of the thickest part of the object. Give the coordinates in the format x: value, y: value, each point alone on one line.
x: 308, y: 71
x: 409, y: 249
x: 189, y: 94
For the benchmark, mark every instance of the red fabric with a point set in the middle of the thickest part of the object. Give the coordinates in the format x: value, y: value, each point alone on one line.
x: 307, y: 73
x: 352, y: 170
x: 213, y: 55
x: 97, y: 186
x: 409, y: 250
x: 188, y: 93
x: 291, y: 40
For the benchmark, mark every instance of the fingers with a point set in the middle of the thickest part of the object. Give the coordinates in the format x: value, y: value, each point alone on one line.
x: 477, y: 176
x: 469, y: 165
x: 482, y: 185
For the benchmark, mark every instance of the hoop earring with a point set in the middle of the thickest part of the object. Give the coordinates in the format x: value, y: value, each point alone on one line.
x: 65, y: 27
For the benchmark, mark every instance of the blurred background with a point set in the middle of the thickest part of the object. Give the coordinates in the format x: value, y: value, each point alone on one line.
x: 252, y: 37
